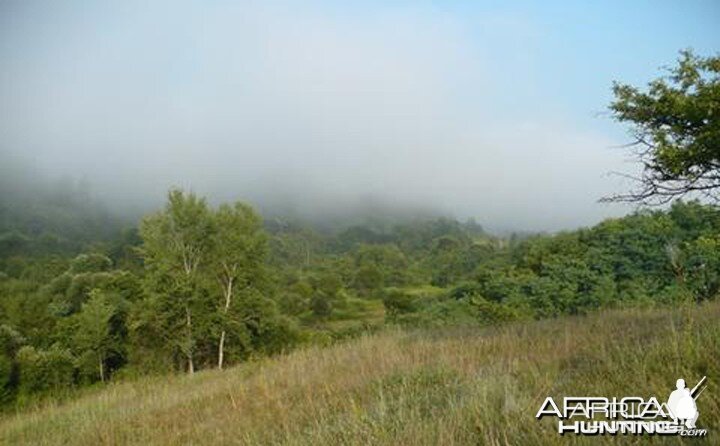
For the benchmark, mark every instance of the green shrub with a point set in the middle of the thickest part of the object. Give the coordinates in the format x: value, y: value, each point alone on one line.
x: 398, y: 302
x: 45, y: 370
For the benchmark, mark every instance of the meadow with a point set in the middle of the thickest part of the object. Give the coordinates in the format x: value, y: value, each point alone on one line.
x: 420, y: 387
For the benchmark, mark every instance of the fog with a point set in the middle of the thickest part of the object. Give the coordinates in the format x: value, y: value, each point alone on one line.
x: 313, y: 109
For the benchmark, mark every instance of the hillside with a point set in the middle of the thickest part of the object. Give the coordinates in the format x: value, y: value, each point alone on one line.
x: 473, y: 386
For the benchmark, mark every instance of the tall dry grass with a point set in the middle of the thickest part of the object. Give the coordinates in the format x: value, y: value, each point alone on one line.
x: 405, y: 388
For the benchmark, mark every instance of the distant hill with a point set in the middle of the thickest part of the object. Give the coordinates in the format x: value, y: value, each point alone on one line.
x: 49, y: 216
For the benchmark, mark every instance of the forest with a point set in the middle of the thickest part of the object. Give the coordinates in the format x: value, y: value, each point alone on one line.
x: 88, y: 298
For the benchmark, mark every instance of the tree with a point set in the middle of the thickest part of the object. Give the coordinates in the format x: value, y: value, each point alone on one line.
x: 10, y: 342
x: 45, y: 370
x: 676, y: 130
x: 175, y: 242
x: 368, y: 279
x: 93, y: 337
x: 238, y: 256
x: 388, y: 259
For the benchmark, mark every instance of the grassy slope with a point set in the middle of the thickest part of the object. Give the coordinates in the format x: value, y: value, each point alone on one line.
x: 472, y: 387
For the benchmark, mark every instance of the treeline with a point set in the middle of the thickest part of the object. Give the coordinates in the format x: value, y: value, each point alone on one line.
x: 41, y: 217
x: 195, y: 286
x: 647, y: 258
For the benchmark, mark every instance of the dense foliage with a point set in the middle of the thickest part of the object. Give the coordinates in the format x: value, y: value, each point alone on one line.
x: 675, y: 124
x: 196, y: 286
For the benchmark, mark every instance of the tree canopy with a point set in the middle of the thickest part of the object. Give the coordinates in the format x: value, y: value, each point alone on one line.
x: 675, y: 124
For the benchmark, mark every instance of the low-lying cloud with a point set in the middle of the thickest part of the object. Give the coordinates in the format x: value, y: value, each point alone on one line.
x: 310, y: 108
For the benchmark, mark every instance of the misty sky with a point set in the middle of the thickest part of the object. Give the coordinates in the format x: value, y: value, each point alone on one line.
x: 495, y: 110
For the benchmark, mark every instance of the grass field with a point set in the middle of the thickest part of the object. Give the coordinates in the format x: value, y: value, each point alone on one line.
x: 405, y: 388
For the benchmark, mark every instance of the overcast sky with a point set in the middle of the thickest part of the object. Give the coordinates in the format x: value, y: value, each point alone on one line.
x: 494, y: 110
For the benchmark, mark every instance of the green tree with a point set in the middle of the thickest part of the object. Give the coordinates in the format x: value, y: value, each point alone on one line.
x: 45, y: 370
x: 388, y: 259
x: 175, y: 243
x: 321, y: 305
x: 676, y: 127
x: 368, y: 278
x: 237, y: 259
x: 92, y: 337
x: 10, y: 342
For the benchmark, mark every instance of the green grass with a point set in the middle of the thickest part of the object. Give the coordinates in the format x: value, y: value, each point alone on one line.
x: 351, y: 315
x: 479, y: 386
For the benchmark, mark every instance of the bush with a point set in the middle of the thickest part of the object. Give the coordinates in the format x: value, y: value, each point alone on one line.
x: 465, y: 289
x: 321, y: 305
x: 90, y: 263
x: 44, y: 371
x: 398, y: 302
x: 7, y: 379
x: 492, y: 312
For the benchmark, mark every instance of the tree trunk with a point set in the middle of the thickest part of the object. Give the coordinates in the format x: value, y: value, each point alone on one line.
x: 189, y: 353
x: 102, y: 371
x: 220, y: 350
x: 221, y: 345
